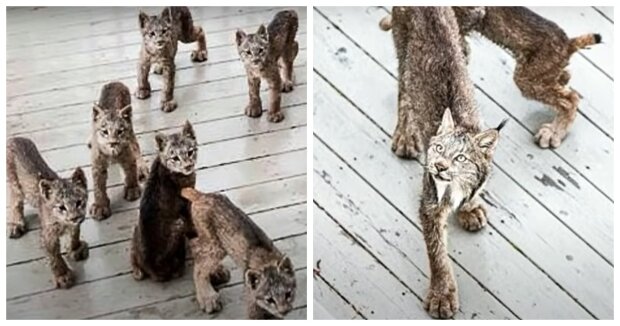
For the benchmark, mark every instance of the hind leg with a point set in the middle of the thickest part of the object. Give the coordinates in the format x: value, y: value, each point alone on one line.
x: 286, y: 66
x: 548, y: 90
x: 564, y: 78
x: 198, y: 35
x: 208, y: 271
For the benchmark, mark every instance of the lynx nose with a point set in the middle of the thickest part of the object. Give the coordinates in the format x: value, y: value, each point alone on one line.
x: 441, y: 166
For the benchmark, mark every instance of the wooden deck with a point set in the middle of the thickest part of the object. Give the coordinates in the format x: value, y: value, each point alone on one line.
x: 57, y: 61
x: 548, y: 249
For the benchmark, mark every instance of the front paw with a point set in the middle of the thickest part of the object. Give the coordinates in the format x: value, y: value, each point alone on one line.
x: 79, y: 253
x: 549, y: 136
x: 64, y: 280
x: 100, y: 211
x: 143, y: 173
x: 473, y: 219
x: 168, y: 106
x: 16, y: 230
x: 276, y: 116
x: 132, y: 193
x: 442, y: 302
x: 405, y: 144
x: 158, y: 69
x: 143, y: 93
x: 199, y: 55
x: 287, y: 86
x: 253, y: 110
x: 210, y: 303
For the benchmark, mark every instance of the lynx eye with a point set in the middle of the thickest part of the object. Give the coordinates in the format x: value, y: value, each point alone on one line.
x: 461, y: 158
x: 288, y: 295
x: 121, y: 131
x: 271, y: 301
x: 190, y: 152
x: 104, y: 133
x: 152, y: 34
x: 176, y: 159
x: 248, y: 52
x: 439, y: 148
x: 260, y: 51
x: 165, y: 30
x: 62, y: 208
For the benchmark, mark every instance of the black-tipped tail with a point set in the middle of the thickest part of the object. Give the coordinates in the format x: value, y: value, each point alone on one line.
x: 598, y: 38
x: 501, y: 125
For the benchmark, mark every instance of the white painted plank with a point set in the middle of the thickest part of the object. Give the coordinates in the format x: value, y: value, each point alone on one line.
x: 121, y: 292
x: 232, y: 300
x: 328, y: 305
x: 577, y: 21
x: 514, y: 157
x: 485, y: 258
x: 119, y: 227
x: 191, y: 85
x: 354, y: 273
x: 389, y: 236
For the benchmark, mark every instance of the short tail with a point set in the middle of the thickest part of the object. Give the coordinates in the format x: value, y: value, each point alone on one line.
x: 386, y: 23
x: 583, y: 41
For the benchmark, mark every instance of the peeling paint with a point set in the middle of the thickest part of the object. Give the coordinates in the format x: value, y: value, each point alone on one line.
x: 547, y: 181
x: 566, y: 176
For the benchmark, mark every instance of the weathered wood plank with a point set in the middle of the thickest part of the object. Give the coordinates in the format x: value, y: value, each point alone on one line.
x: 371, y: 150
x: 577, y: 21
x: 101, y: 73
x: 252, y: 199
x: 232, y: 300
x: 591, y: 160
x: 191, y: 85
x: 122, y: 292
x: 109, y: 260
x: 398, y: 244
x: 327, y: 304
x: 355, y: 274
x: 84, y: 43
x: 518, y: 156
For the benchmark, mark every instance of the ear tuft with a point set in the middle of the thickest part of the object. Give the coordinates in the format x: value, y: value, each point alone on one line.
x: 447, y: 124
x: 78, y: 178
x: 161, y: 140
x: 143, y: 18
x: 501, y: 125
x: 252, y: 278
x: 188, y: 130
x: 286, y: 266
x: 240, y: 35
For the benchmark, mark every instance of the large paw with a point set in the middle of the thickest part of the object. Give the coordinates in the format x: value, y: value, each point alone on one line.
x: 220, y: 276
x: 100, y: 211
x: 79, y: 253
x: 137, y: 273
x: 158, y: 69
x: 253, y: 110
x: 143, y: 93
x: 16, y: 230
x: 168, y: 106
x: 143, y: 172
x: 405, y: 144
x: 472, y: 219
x: 64, y: 280
x: 442, y: 303
x: 549, y: 136
x: 287, y: 86
x: 132, y: 193
x: 210, y: 303
x: 276, y: 116
x: 199, y: 55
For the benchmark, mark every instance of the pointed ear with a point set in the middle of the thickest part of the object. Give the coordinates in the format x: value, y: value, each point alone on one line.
x: 125, y: 112
x: 286, y: 266
x: 252, y: 278
x: 191, y: 194
x: 97, y: 111
x: 45, y: 187
x: 161, y: 140
x: 143, y: 18
x: 240, y: 36
x: 166, y: 15
x: 78, y: 178
x: 447, y: 124
x: 487, y: 140
x: 188, y: 130
x: 262, y: 32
